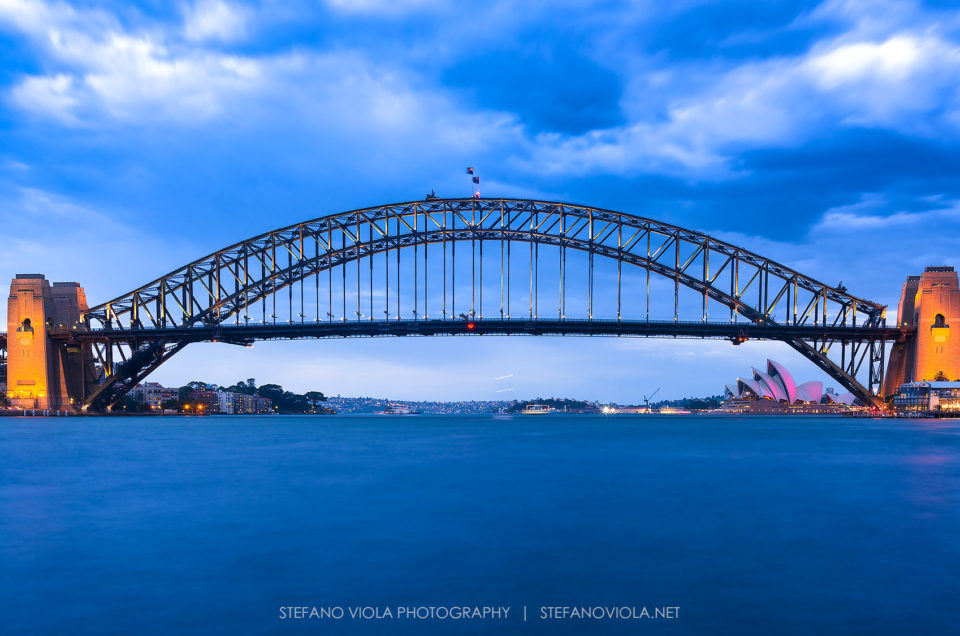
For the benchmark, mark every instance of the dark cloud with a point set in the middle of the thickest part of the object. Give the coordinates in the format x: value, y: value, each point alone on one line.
x: 731, y: 30
x: 781, y: 193
x: 555, y: 89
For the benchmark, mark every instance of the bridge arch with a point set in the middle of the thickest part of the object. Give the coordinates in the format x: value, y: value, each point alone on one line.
x: 141, y: 329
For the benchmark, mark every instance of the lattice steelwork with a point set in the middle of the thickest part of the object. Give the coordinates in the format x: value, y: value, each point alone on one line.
x: 419, y: 268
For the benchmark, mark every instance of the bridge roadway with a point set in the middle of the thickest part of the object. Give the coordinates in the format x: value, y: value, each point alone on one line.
x: 246, y: 334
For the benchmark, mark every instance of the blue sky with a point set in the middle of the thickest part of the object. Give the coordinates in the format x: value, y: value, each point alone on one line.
x: 137, y: 136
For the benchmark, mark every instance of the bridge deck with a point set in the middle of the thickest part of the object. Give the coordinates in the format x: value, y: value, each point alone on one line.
x: 243, y: 334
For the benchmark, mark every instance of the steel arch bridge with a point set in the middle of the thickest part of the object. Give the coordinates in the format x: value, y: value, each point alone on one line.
x: 418, y: 268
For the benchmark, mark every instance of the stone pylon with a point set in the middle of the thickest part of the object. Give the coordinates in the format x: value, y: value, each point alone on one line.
x: 42, y: 373
x: 930, y: 303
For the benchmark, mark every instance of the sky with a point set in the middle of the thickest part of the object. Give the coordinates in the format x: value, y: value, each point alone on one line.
x: 137, y: 136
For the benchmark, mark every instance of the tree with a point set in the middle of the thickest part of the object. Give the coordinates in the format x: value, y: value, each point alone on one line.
x: 940, y: 377
x: 283, y: 401
x: 242, y: 387
x: 129, y: 405
x: 272, y: 391
x: 557, y: 403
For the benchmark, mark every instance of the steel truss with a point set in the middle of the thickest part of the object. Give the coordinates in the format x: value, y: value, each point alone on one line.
x: 133, y: 334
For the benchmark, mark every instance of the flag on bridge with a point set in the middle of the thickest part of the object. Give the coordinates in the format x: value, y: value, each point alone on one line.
x: 470, y: 170
x: 476, y: 179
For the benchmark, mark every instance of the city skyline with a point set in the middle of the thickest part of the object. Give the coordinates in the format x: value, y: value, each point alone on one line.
x: 820, y: 134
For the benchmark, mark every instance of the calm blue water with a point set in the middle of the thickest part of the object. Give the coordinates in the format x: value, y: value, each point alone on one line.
x: 211, y: 525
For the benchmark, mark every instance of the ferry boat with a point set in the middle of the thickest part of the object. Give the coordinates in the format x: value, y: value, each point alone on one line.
x: 397, y: 409
x: 538, y: 409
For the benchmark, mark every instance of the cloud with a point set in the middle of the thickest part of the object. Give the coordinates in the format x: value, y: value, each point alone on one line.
x: 383, y: 7
x: 131, y: 76
x: 150, y: 77
x: 699, y: 119
x: 53, y: 95
x: 34, y: 18
x: 892, y: 60
x: 868, y: 214
x: 214, y: 20
x: 70, y: 241
x: 887, y: 67
x: 583, y: 95
x: 901, y: 83
x: 872, y: 245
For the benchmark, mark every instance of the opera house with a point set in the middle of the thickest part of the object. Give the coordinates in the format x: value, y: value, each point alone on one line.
x: 777, y: 392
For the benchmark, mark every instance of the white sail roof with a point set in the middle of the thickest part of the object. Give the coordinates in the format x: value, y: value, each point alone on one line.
x: 771, y: 385
x: 777, y: 370
x: 749, y: 385
x: 810, y: 392
x: 778, y: 384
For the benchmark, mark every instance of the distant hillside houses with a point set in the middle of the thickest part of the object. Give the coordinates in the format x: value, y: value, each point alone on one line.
x: 153, y: 396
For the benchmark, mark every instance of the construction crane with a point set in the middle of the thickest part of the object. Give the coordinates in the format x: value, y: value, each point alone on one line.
x: 646, y: 398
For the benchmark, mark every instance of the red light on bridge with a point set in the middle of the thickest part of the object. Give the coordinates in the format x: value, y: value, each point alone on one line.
x: 471, y: 326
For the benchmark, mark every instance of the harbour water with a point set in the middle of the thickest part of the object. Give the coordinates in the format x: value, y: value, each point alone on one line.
x: 748, y: 525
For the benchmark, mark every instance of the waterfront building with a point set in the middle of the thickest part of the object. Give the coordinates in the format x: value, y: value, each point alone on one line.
x: 229, y: 403
x: 632, y: 410
x: 922, y: 398
x: 153, y: 394
x: 225, y: 402
x: 262, y: 405
x: 209, y: 400
x: 775, y: 391
x: 243, y: 404
x: 778, y: 385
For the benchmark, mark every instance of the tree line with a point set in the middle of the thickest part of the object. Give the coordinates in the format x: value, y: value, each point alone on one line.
x: 189, y: 400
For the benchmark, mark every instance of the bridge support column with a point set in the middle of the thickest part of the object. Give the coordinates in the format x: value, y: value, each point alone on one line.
x: 930, y: 303
x: 42, y: 373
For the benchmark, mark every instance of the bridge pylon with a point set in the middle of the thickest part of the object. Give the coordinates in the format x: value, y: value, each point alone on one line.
x: 43, y: 373
x: 929, y: 308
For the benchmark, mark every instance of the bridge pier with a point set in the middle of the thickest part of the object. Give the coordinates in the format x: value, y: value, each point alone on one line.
x: 929, y: 304
x: 41, y: 373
